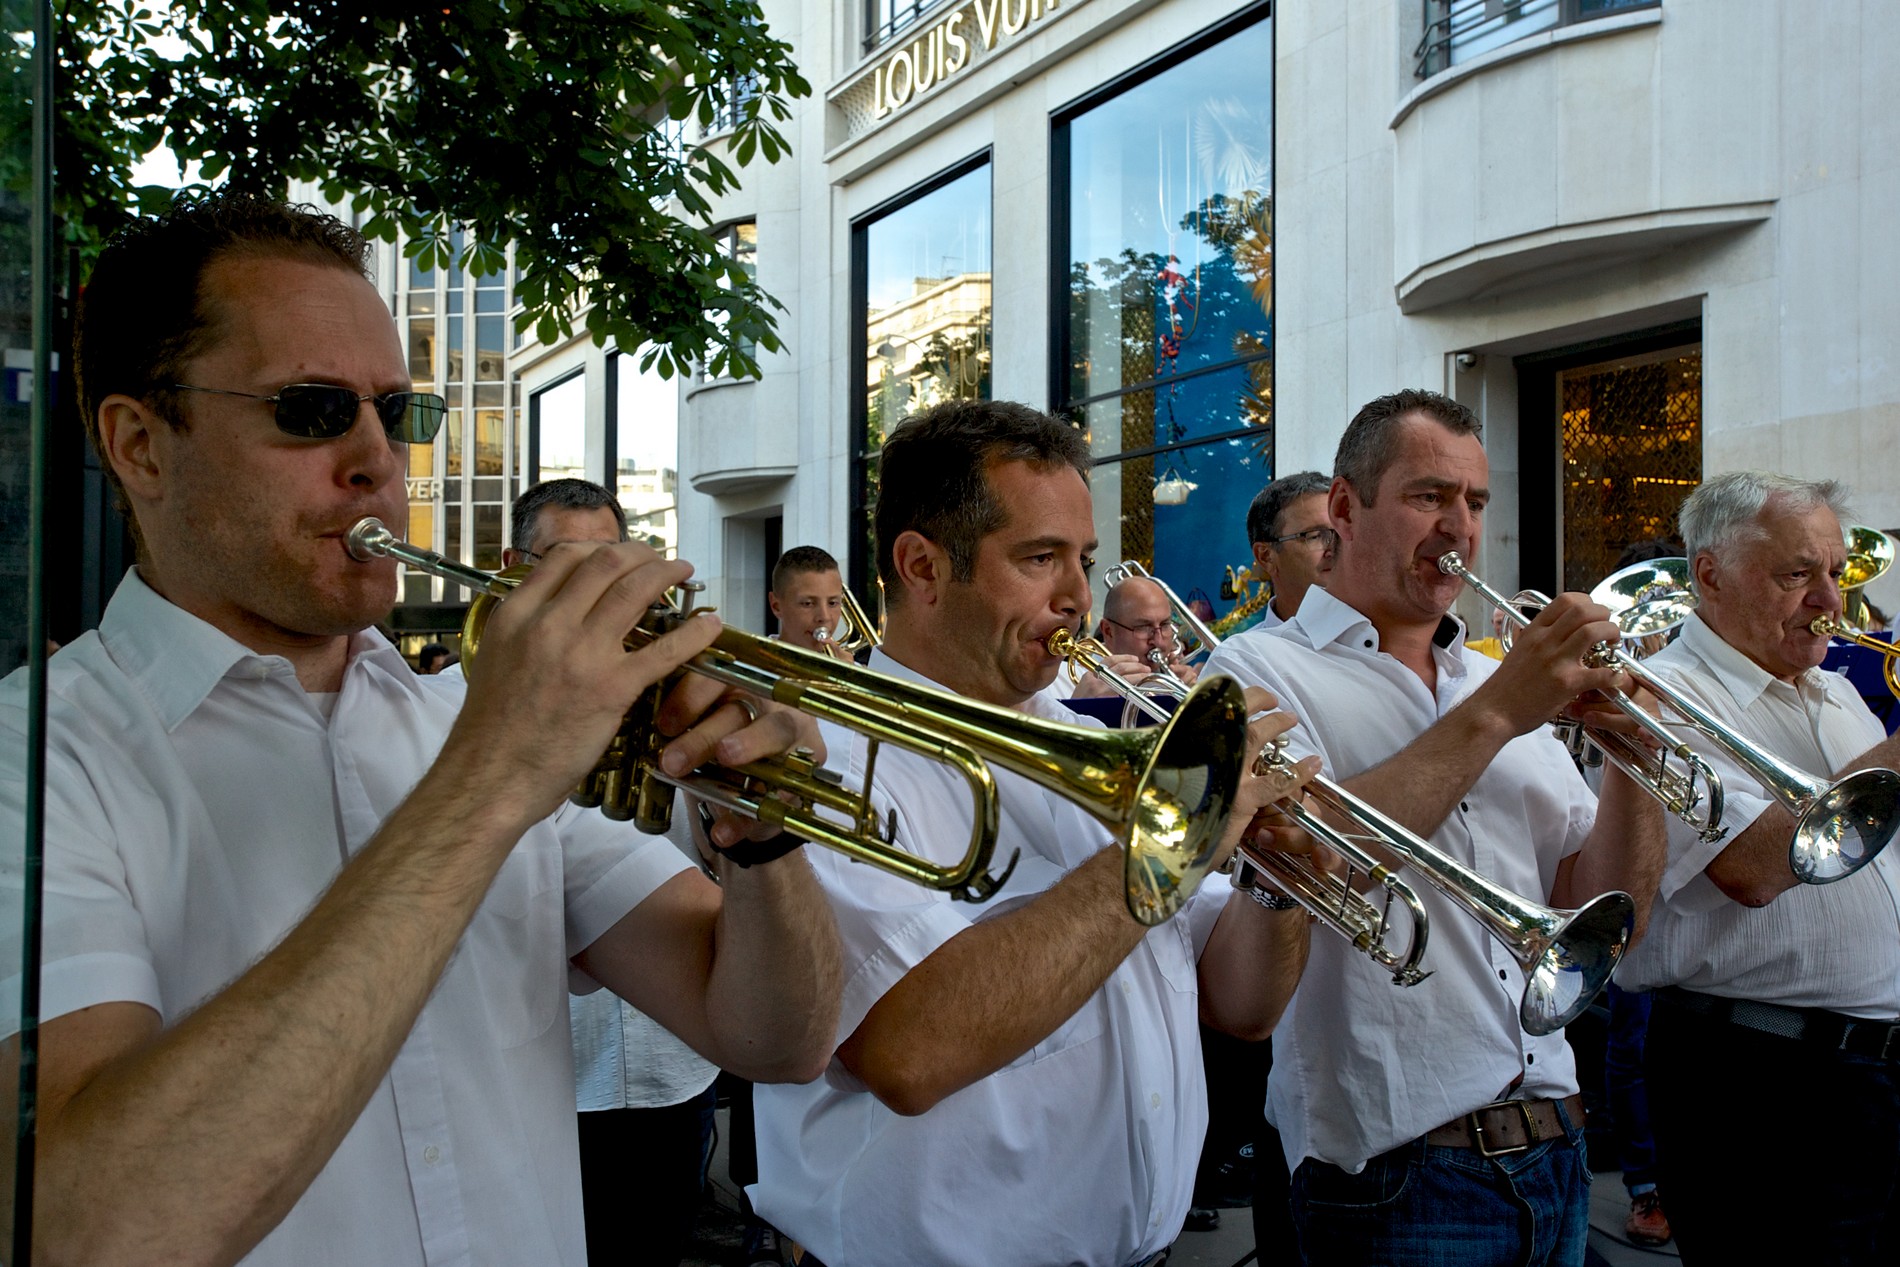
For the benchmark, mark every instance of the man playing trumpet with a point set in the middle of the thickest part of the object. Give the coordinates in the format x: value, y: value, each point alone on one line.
x: 1017, y: 1082
x: 1774, y: 1044
x: 1425, y: 1125
x: 311, y: 918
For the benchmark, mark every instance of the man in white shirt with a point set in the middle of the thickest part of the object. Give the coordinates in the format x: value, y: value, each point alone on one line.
x: 310, y: 919
x: 1292, y: 540
x: 1137, y: 621
x: 1773, y: 1054
x: 644, y: 1097
x: 1424, y: 1125
x: 807, y: 595
x: 1016, y: 1082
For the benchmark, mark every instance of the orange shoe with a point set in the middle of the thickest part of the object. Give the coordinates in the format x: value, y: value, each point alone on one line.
x: 1647, y: 1224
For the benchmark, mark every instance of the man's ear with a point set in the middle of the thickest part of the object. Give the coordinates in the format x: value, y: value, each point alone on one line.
x: 1341, y: 502
x: 771, y: 600
x: 1264, y: 566
x: 130, y: 443
x: 1708, y: 576
x: 923, y: 566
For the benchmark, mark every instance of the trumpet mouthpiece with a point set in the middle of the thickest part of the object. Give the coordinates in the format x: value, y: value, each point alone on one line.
x: 1450, y: 563
x: 367, y: 539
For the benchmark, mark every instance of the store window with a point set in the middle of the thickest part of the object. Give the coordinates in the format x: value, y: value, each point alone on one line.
x: 1164, y: 348
x: 557, y: 431
x: 644, y: 430
x: 738, y: 241
x: 921, y: 290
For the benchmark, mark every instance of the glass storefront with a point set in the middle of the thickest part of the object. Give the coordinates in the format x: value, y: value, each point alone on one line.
x: 646, y: 452
x: 1164, y: 346
x: 922, y: 279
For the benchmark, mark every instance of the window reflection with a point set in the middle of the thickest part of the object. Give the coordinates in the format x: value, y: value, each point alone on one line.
x: 1165, y: 348
x: 646, y: 455
x: 927, y: 303
x: 562, y: 430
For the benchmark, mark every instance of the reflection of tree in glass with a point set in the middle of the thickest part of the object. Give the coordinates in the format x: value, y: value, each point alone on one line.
x: 955, y: 367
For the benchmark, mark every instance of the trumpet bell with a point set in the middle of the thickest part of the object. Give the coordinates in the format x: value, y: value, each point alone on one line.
x: 1647, y: 598
x: 1847, y: 825
x: 1870, y: 553
x: 1177, y: 810
x: 1569, y: 961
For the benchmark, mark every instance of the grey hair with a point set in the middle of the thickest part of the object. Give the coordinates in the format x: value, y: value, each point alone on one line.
x: 1725, y: 511
x: 1263, y: 516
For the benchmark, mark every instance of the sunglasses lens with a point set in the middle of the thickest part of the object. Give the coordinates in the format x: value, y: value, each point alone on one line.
x: 412, y: 417
x: 315, y: 410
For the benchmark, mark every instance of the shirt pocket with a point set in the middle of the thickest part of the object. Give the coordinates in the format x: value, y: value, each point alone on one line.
x: 515, y: 948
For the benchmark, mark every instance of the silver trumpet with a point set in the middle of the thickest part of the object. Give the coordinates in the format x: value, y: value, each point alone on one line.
x: 1567, y: 956
x: 1839, y: 827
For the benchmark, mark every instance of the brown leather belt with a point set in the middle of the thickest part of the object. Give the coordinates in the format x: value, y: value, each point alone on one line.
x: 1508, y: 1126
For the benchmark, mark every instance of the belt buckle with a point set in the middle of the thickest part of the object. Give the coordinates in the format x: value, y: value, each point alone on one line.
x: 1477, y: 1131
x: 1890, y: 1048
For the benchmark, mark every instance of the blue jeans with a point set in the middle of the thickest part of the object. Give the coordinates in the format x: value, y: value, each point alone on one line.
x: 1629, y: 1093
x: 1424, y: 1206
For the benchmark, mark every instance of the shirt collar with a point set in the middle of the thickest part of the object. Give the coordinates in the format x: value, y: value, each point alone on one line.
x: 1325, y: 619
x: 1741, y: 677
x: 176, y: 659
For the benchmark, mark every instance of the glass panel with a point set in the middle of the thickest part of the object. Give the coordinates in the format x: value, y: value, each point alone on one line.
x: 452, y: 302
x: 490, y: 348
x: 421, y: 301
x: 420, y: 277
x: 646, y: 447
x: 1200, y: 407
x: 455, y: 349
x: 488, y: 442
x: 1632, y: 450
x: 452, y: 443
x: 489, y: 395
x: 1170, y: 252
x: 457, y: 240
x: 1190, y: 543
x: 421, y: 530
x: 422, y: 350
x: 452, y: 529
x: 422, y: 460
x: 927, y: 318
x: 488, y: 301
x: 488, y: 537
x: 488, y: 490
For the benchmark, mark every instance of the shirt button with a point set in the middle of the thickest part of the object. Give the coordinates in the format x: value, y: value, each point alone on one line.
x: 1530, y: 1057
x: 1465, y: 806
x: 1155, y: 1100
x: 432, y: 1154
x: 1502, y: 975
x: 1368, y: 642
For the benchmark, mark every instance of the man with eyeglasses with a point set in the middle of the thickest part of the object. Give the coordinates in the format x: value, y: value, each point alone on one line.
x: 1292, y: 540
x: 311, y: 919
x: 1137, y: 620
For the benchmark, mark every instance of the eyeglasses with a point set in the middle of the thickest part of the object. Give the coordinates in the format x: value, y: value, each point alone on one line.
x: 323, y: 411
x: 1163, y: 632
x: 1312, y: 536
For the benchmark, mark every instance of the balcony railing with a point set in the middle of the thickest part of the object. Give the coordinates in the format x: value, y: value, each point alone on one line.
x: 1458, y: 30
x: 885, y: 18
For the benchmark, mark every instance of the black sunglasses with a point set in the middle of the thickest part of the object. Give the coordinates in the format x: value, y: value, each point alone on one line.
x: 322, y: 411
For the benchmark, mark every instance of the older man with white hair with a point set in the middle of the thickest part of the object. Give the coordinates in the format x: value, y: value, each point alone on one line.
x: 1774, y: 1047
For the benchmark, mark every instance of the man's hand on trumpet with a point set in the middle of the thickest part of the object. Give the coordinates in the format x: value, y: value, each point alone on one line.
x: 1550, y: 665
x: 1265, y: 783
x: 1094, y: 686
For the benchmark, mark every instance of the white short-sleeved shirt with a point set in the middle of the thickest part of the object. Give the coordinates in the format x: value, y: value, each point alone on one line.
x: 199, y: 803
x: 1361, y: 1065
x: 1832, y: 946
x: 1082, y: 1150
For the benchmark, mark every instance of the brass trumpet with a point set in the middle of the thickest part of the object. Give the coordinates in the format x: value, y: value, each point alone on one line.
x: 1828, y: 627
x: 1839, y: 826
x: 1165, y: 792
x: 1567, y: 956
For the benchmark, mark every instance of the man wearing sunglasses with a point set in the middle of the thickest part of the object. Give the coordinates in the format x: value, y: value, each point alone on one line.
x: 311, y: 919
